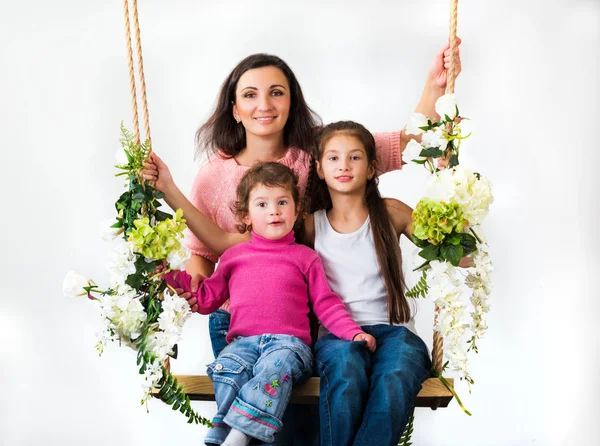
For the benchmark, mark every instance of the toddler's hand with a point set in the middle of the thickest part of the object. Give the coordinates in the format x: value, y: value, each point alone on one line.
x: 181, y: 281
x: 371, y: 342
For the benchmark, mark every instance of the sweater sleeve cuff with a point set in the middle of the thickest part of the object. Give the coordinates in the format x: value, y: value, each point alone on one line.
x: 396, y: 155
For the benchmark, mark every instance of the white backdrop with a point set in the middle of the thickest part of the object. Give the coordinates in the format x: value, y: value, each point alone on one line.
x: 530, y: 86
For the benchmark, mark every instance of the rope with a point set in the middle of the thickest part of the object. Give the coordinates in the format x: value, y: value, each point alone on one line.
x: 136, y: 124
x: 136, y: 25
x: 140, y: 63
x: 134, y: 105
x: 437, y: 353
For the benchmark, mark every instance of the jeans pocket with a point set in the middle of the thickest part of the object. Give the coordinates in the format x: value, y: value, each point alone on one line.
x: 228, y: 369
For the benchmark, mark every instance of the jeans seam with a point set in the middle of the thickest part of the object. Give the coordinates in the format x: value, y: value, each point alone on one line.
x: 326, y: 399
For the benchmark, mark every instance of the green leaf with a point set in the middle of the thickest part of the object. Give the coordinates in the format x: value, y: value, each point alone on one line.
x: 161, y: 216
x: 420, y: 289
x: 135, y: 281
x: 431, y: 152
x: 408, y: 431
x: 430, y: 252
x: 468, y: 243
x: 159, y: 195
x: 447, y: 118
x: 452, y: 253
x: 128, y: 155
x: 419, y: 161
x: 141, y: 266
x: 453, y: 161
x: 419, y: 242
x: 454, y: 240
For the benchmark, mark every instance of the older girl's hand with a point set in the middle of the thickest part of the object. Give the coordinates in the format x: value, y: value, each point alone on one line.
x: 370, y: 340
x: 156, y: 170
x: 438, y: 72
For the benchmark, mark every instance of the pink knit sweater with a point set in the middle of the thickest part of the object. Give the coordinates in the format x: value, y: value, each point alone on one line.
x: 213, y: 191
x: 271, y: 284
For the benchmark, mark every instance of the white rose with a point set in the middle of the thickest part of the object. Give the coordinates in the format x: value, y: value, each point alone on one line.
x: 121, y: 157
x: 415, y: 121
x: 413, y: 150
x: 73, y: 285
x: 109, y: 233
x: 446, y: 105
x: 434, y: 138
x: 178, y: 259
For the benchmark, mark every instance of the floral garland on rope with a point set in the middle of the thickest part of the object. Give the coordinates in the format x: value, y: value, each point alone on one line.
x: 136, y: 311
x: 447, y: 227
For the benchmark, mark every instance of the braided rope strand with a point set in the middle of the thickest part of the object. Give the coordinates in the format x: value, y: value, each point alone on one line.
x: 136, y: 123
x: 437, y: 353
x: 140, y: 62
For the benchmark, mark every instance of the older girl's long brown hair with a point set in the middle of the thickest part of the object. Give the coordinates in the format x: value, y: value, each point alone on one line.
x: 385, y: 238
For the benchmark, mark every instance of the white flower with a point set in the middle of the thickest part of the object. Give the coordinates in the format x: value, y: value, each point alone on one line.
x: 122, y: 261
x: 434, y: 138
x: 178, y: 259
x: 415, y: 121
x: 125, y: 313
x: 441, y: 186
x: 73, y: 284
x: 460, y: 185
x: 109, y: 233
x: 161, y: 343
x: 446, y: 105
x: 152, y: 375
x: 413, y: 150
x: 175, y: 311
x: 121, y: 157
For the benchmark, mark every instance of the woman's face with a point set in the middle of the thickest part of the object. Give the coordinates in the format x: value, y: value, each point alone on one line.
x: 262, y: 101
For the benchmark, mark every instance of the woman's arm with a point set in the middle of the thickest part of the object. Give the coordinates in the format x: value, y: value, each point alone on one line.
x: 208, y: 232
x: 435, y: 86
x: 202, y: 226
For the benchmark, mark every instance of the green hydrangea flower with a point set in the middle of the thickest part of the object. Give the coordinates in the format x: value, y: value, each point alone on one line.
x: 157, y: 242
x: 433, y: 220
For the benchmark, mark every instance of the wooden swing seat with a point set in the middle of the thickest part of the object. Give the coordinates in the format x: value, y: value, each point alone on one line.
x: 434, y: 393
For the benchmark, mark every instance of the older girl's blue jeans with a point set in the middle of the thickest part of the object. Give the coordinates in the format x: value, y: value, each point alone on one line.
x: 253, y: 379
x: 366, y: 399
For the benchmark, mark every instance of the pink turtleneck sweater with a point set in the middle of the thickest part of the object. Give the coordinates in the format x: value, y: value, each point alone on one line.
x: 213, y: 191
x: 270, y: 284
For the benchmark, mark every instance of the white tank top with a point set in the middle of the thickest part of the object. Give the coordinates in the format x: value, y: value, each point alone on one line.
x: 351, y: 266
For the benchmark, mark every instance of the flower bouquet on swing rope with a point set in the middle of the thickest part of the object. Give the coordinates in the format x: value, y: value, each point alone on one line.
x: 136, y: 310
x: 447, y: 227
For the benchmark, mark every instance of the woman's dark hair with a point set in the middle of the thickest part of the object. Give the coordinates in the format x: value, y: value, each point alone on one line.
x: 222, y: 132
x: 268, y: 174
x: 385, y: 238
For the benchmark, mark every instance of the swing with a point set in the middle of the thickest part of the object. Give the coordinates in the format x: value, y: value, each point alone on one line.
x: 436, y: 391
